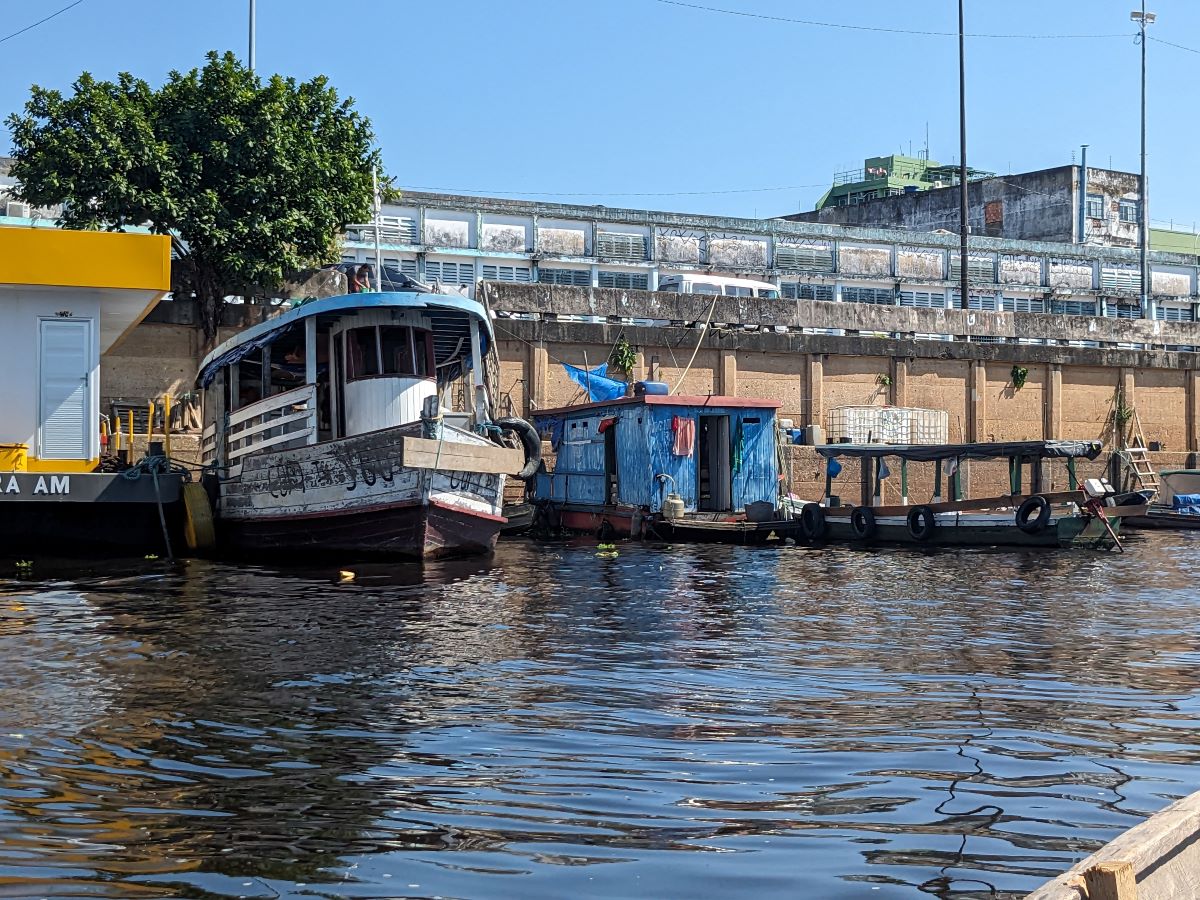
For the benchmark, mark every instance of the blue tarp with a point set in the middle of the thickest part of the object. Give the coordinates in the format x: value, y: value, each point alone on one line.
x: 597, y: 383
x: 1188, y: 504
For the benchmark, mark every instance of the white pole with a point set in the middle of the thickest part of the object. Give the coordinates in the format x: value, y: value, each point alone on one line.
x: 378, y: 209
x: 251, y: 57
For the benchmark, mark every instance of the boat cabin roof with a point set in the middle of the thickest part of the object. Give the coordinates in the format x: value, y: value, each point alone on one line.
x: 451, y: 316
x: 994, y: 450
x: 698, y: 401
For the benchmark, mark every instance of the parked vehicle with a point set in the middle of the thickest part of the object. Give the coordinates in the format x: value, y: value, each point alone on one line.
x: 717, y: 285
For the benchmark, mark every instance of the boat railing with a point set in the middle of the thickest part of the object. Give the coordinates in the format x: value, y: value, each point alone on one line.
x: 281, y: 421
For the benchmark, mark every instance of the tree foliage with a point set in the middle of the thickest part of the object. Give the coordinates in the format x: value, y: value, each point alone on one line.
x: 253, y: 180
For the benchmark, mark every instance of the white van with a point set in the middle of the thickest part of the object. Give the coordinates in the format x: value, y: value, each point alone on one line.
x: 713, y: 285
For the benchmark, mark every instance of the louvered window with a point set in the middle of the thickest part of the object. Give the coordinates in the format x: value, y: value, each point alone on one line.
x: 923, y: 299
x: 1024, y: 304
x: 398, y: 229
x: 629, y: 280
x: 1175, y: 313
x: 393, y: 269
x: 449, y: 273
x: 1123, y: 279
x: 981, y: 269
x: 985, y: 339
x: 878, y: 296
x: 506, y: 273
x: 615, y: 245
x: 794, y: 291
x: 577, y: 277
x: 1073, y: 307
x: 975, y: 301
x: 1123, y: 311
x: 804, y: 259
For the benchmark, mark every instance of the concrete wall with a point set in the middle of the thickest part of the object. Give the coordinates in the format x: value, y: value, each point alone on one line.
x: 1035, y: 206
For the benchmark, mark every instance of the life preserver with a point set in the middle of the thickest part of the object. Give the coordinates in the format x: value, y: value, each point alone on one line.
x: 812, y: 521
x: 531, y: 442
x: 862, y: 523
x: 921, y: 523
x: 1025, y: 517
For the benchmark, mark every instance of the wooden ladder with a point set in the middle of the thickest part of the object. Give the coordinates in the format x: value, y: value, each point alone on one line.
x: 1136, y: 458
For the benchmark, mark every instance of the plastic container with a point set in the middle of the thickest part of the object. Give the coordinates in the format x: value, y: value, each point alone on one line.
x: 14, y: 457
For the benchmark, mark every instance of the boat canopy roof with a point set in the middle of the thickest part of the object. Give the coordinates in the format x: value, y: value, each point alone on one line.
x: 450, y: 318
x: 936, y: 452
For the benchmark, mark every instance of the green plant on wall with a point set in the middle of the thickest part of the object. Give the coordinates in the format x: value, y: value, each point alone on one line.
x: 1019, y: 374
x: 623, y: 356
x: 1122, y: 412
x: 883, y: 379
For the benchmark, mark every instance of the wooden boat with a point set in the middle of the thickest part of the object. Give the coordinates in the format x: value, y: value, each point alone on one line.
x: 674, y: 468
x: 1174, y: 505
x: 330, y: 430
x: 1086, y: 515
x: 1158, y: 859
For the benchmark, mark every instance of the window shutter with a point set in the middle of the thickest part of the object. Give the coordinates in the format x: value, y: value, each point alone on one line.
x: 615, y: 245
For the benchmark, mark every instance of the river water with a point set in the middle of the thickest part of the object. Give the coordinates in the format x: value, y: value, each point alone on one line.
x: 556, y: 722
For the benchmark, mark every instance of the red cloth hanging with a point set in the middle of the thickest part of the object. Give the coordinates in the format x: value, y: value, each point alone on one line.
x: 685, y: 435
x: 606, y: 424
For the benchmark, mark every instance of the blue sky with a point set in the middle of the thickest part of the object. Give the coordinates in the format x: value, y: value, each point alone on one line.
x: 648, y: 104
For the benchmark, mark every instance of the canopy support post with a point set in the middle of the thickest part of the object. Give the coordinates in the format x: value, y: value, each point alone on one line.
x: 903, y: 481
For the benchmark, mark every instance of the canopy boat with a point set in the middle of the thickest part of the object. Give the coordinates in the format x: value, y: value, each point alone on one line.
x: 699, y: 468
x: 1086, y: 515
x: 1176, y: 503
x: 334, y: 428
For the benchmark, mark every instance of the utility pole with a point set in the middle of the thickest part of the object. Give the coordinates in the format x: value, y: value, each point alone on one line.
x: 962, y: 164
x: 1143, y: 19
x: 251, y: 56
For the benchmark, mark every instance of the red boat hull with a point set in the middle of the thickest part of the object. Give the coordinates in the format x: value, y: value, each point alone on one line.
x: 408, y: 531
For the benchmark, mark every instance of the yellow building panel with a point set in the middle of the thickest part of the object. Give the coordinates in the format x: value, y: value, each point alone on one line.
x: 88, y: 259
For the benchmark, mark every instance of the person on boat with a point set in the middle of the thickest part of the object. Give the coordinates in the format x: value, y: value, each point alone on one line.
x: 360, y: 281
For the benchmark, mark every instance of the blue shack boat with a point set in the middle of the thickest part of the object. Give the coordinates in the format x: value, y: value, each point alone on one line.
x: 673, y: 468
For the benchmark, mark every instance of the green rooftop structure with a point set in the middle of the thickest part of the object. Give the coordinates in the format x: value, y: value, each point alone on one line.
x: 888, y: 176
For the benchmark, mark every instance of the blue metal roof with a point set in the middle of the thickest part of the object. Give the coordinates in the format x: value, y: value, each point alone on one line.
x: 450, y: 317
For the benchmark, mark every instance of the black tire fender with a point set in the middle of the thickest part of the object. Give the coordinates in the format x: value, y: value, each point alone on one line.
x: 921, y: 523
x: 1033, y: 515
x: 812, y: 521
x: 531, y: 442
x: 862, y: 523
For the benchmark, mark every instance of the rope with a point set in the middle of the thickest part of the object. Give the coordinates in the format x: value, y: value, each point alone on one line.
x: 700, y: 340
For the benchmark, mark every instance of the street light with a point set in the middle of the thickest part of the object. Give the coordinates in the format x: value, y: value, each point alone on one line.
x: 1143, y: 19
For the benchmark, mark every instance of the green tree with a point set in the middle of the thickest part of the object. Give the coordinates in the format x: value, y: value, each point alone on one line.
x: 252, y: 180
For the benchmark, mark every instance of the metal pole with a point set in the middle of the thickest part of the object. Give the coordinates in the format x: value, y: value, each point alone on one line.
x: 378, y: 206
x: 962, y: 165
x: 1144, y: 205
x: 251, y: 55
x: 1083, y: 189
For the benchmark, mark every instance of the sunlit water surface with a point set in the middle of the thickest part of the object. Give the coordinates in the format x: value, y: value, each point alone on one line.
x: 668, y: 722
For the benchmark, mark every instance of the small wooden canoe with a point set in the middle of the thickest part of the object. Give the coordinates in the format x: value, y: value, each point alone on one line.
x: 1156, y: 860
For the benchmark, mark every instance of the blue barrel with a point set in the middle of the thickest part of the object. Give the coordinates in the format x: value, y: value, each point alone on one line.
x: 655, y: 388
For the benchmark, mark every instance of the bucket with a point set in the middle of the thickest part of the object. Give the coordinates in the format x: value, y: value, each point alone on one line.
x: 14, y: 457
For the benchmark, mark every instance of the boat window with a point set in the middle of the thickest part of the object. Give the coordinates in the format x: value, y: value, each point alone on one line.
x: 733, y: 290
x: 699, y: 287
x: 362, y: 353
x: 768, y: 294
x: 406, y: 351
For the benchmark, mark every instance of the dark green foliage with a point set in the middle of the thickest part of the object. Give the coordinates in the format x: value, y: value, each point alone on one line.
x: 253, y: 181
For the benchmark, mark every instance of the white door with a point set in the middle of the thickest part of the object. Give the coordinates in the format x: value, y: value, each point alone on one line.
x: 64, y: 408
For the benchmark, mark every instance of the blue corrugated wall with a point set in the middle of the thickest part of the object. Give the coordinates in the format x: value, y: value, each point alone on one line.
x: 644, y: 444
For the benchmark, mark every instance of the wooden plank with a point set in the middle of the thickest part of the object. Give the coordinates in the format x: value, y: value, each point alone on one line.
x: 1110, y: 881
x: 451, y: 456
x: 983, y: 503
x: 295, y: 396
x: 1163, y: 851
x: 269, y: 424
x: 270, y: 442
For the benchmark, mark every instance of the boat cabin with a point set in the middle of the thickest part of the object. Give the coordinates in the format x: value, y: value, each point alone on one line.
x: 66, y: 298
x: 344, y: 366
x: 718, y: 454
